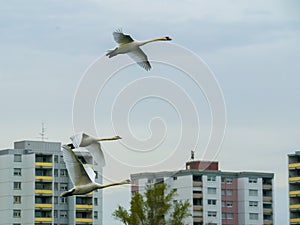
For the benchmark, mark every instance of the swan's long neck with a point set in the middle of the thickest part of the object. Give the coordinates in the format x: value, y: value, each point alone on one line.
x: 151, y: 40
x: 99, y: 186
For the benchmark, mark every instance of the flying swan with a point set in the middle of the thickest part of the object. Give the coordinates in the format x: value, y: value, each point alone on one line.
x: 82, y: 176
x: 92, y: 145
x: 132, y: 48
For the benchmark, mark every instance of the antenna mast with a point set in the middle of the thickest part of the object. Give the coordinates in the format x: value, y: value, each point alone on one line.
x: 43, y: 132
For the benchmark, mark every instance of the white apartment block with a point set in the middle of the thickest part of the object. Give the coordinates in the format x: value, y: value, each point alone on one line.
x: 32, y: 177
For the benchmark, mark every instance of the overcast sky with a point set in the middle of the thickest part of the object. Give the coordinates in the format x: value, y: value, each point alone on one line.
x: 250, y: 47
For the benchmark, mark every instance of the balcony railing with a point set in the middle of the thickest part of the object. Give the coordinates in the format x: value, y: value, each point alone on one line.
x: 294, y: 192
x: 198, y: 219
x: 40, y: 191
x: 268, y: 222
x: 45, y: 164
x: 198, y: 195
x: 43, y: 177
x: 80, y: 206
x: 84, y: 220
x: 268, y: 211
x: 295, y: 206
x: 43, y: 205
x: 197, y: 183
x: 197, y: 207
x: 294, y: 165
x: 267, y: 198
x: 43, y: 219
x: 295, y: 220
x: 267, y: 186
x: 293, y: 179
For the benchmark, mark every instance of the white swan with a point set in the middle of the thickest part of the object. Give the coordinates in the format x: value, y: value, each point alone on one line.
x: 132, y: 48
x: 82, y: 176
x: 92, y: 145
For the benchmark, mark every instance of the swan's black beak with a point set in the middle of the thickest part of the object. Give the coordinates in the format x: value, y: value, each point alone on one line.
x: 168, y: 38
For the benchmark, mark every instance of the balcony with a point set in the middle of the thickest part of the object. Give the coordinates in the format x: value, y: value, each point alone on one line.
x: 197, y: 183
x: 268, y: 211
x: 197, y: 207
x: 79, y: 206
x: 49, y: 206
x: 84, y: 220
x: 44, y: 164
x: 198, y: 195
x: 295, y: 220
x: 294, y: 179
x: 295, y: 206
x: 198, y: 219
x: 294, y: 192
x: 47, y: 192
x: 267, y: 198
x: 268, y: 222
x: 43, y: 219
x: 50, y: 178
x: 267, y: 186
x: 294, y: 165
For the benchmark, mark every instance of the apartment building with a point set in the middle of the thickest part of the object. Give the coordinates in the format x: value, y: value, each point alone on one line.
x: 217, y: 197
x: 294, y: 187
x: 32, y: 177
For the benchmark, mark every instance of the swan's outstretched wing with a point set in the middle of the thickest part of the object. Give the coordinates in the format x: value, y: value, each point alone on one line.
x: 77, y: 139
x: 96, y: 151
x: 90, y: 172
x: 77, y: 173
x: 121, y: 38
x: 140, y: 57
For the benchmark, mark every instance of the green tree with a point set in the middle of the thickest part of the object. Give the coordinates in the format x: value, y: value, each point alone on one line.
x: 151, y: 208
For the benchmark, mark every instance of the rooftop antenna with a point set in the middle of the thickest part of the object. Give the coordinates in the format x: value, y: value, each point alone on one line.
x: 192, y: 155
x: 43, y: 132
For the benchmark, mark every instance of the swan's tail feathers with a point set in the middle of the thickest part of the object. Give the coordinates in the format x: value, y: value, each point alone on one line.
x: 111, y: 53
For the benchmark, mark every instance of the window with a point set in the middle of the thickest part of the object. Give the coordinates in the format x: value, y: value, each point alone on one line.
x: 55, y: 213
x: 63, y: 200
x: 63, y: 173
x: 212, y: 214
x: 63, y: 186
x: 56, y: 172
x: 211, y: 178
x: 17, y: 199
x: 211, y: 201
x: 222, y: 179
x: 253, y: 192
x: 252, y: 180
x: 17, y: 185
x: 55, y: 200
x: 223, y: 203
x: 223, y: 215
x: 229, y: 204
x: 17, y: 158
x: 222, y: 192
x: 56, y: 158
x: 211, y: 190
x: 63, y: 214
x: 228, y: 180
x: 17, y: 171
x: 95, y: 201
x: 95, y: 214
x: 229, y: 192
x: 229, y: 216
x: 17, y: 213
x: 253, y: 216
x: 253, y: 203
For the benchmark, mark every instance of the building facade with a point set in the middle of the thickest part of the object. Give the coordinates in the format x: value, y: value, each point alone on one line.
x: 294, y: 187
x: 217, y: 197
x: 32, y: 177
